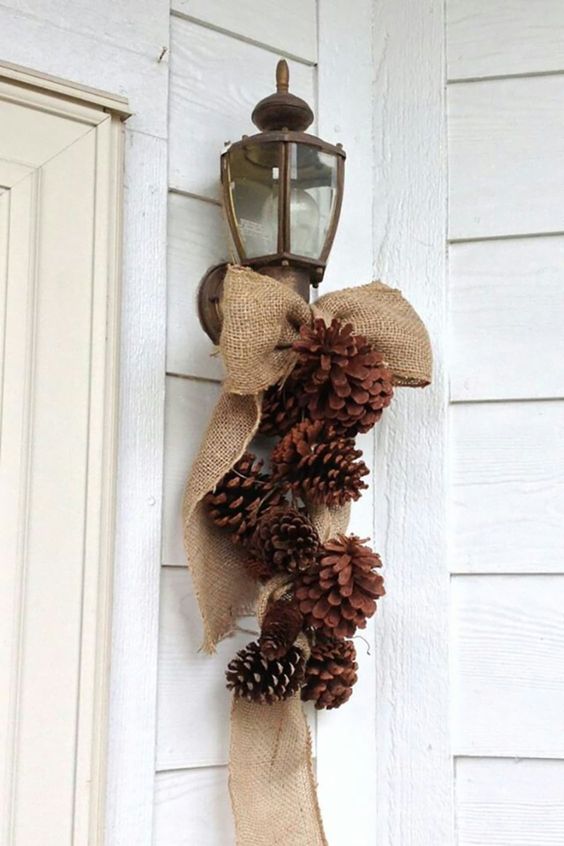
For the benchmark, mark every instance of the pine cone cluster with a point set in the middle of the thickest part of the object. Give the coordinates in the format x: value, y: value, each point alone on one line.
x: 338, y: 388
x: 341, y: 594
x: 285, y: 540
x: 281, y: 625
x: 240, y: 497
x: 330, y: 672
x: 253, y: 677
x: 280, y: 410
x: 319, y: 463
x: 342, y: 378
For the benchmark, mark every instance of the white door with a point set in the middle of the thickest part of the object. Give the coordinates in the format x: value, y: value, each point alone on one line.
x: 59, y: 177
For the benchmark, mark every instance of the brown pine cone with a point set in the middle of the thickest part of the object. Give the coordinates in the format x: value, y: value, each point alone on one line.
x: 341, y: 595
x: 330, y: 672
x: 251, y: 676
x: 285, y: 540
x: 257, y: 569
x: 281, y: 625
x: 239, y: 498
x: 319, y: 463
x: 280, y: 410
x: 342, y: 378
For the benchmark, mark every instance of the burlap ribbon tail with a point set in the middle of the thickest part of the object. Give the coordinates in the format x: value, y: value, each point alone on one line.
x: 271, y: 777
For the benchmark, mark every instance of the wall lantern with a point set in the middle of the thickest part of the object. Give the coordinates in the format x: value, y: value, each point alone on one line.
x: 282, y: 191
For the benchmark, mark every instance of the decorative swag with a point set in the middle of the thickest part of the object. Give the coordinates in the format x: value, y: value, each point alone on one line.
x: 312, y: 377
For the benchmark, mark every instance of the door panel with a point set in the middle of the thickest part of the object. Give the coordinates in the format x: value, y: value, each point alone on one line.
x: 57, y: 223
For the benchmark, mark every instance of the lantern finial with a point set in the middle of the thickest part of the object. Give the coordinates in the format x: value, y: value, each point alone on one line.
x: 282, y: 110
x: 282, y: 77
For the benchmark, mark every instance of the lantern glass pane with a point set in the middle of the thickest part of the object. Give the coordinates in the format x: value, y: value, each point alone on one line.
x: 253, y: 173
x: 313, y: 192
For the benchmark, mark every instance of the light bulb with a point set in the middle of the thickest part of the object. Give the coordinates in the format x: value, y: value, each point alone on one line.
x: 304, y: 222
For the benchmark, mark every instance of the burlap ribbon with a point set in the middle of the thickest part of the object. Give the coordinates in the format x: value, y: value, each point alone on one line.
x: 271, y: 782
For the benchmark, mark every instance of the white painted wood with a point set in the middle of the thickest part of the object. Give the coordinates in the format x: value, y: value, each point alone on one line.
x: 192, y: 807
x: 289, y: 28
x: 509, y: 37
x: 345, y: 115
x: 64, y: 88
x: 346, y: 737
x: 193, y: 702
x: 504, y: 802
x: 189, y: 405
x: 215, y: 83
x: 507, y: 494
x: 506, y: 142
x: 507, y: 655
x: 33, y: 138
x: 506, y: 308
x: 197, y: 239
x: 138, y: 531
x: 60, y: 261
x: 72, y: 53
x: 139, y: 28
x: 413, y: 765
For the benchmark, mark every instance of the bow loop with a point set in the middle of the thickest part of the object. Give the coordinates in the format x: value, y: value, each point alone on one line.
x: 261, y: 320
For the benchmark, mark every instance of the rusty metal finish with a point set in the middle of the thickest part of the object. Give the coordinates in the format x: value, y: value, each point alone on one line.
x: 282, y: 110
x: 282, y: 118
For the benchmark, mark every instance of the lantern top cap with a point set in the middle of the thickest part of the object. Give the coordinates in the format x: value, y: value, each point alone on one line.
x: 282, y: 110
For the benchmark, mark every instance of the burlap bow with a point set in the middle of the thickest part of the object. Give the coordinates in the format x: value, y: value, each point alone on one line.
x: 272, y: 782
x: 261, y: 319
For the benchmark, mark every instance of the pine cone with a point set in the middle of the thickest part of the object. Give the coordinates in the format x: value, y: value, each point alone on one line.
x: 257, y: 569
x: 280, y: 410
x: 240, y: 497
x: 286, y: 540
x: 251, y: 676
x: 341, y: 595
x: 342, y: 378
x: 330, y: 672
x: 281, y: 625
x: 319, y: 463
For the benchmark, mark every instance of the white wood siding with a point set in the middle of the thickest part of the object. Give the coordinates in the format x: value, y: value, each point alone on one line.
x: 505, y: 106
x: 414, y: 769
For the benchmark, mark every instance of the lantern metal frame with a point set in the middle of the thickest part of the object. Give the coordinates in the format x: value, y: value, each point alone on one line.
x: 282, y: 118
x: 284, y: 255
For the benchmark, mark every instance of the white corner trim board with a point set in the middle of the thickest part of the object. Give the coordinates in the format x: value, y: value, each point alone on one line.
x: 60, y: 233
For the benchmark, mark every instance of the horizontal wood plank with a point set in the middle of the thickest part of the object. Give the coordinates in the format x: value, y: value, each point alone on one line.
x: 215, y: 83
x: 507, y: 495
x: 506, y: 309
x: 507, y: 666
x: 506, y: 146
x: 290, y: 27
x: 486, y: 38
x: 189, y: 405
x: 502, y: 802
x: 192, y: 808
x: 197, y: 239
